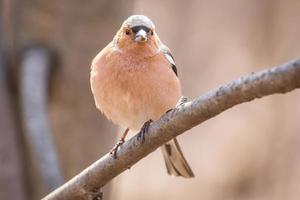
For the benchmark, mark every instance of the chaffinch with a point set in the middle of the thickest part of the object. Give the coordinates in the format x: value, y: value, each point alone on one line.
x: 134, y: 81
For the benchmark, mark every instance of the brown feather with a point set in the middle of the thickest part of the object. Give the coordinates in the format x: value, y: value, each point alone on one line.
x: 175, y: 162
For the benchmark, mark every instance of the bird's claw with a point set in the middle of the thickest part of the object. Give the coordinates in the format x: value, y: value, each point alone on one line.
x: 114, y: 150
x: 181, y: 101
x: 144, y: 130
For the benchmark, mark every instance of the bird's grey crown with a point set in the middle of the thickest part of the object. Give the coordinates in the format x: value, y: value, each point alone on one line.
x: 139, y: 20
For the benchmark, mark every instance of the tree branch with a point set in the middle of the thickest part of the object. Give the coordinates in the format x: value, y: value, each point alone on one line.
x: 87, y: 184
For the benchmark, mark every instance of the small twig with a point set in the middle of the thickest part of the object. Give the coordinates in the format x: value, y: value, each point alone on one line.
x: 280, y: 79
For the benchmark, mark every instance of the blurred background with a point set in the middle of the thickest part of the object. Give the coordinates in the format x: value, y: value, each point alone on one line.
x: 50, y: 129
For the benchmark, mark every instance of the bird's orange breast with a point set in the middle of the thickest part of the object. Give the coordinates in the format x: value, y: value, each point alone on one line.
x: 130, y: 89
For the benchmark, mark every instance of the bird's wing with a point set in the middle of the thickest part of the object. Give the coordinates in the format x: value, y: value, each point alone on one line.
x: 167, y: 53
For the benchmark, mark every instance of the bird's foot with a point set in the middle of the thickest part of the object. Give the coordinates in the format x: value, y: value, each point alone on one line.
x: 119, y: 143
x: 144, y: 130
x: 114, y: 150
x: 181, y: 102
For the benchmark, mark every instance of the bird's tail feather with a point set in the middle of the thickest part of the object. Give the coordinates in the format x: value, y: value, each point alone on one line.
x: 175, y: 161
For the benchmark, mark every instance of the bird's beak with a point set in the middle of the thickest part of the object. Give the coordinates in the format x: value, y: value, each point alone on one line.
x: 141, y: 36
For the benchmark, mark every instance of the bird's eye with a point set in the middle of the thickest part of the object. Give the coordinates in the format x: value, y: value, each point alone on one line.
x: 151, y: 32
x: 127, y: 32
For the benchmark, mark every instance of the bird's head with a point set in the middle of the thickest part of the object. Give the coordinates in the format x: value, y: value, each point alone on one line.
x: 137, y: 32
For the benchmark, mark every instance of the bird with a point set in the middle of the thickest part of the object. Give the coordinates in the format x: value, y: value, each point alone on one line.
x: 134, y: 80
